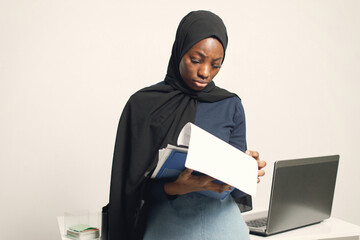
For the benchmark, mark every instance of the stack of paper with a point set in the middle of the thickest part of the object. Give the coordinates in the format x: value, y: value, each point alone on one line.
x: 82, y: 232
x: 171, y: 168
x: 218, y: 159
x: 209, y: 155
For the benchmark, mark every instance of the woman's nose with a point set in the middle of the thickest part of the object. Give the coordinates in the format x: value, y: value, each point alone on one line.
x: 204, y: 71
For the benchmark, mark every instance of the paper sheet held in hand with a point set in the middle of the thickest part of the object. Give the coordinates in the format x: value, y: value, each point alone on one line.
x: 218, y: 159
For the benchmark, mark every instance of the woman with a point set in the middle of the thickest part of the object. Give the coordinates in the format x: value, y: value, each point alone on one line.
x: 141, y: 208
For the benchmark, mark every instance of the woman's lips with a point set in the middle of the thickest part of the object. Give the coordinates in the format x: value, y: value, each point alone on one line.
x: 200, y: 84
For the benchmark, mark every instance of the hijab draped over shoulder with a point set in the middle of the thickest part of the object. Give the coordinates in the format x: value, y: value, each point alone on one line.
x: 151, y: 119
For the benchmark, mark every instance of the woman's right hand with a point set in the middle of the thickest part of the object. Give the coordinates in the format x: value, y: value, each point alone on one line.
x: 186, y: 183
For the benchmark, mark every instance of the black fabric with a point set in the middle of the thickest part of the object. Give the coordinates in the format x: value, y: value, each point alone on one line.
x: 152, y: 118
x: 244, y: 203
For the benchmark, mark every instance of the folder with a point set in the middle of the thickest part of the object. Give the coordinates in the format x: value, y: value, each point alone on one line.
x: 214, y: 157
x: 207, y: 154
x: 172, y: 162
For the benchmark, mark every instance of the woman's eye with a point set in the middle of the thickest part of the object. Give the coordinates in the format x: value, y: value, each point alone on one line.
x: 216, y: 66
x: 193, y: 60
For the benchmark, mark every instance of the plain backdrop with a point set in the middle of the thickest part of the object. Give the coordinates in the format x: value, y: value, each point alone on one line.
x: 68, y: 67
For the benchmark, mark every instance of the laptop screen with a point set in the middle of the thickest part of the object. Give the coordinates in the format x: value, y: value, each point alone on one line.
x: 302, y: 192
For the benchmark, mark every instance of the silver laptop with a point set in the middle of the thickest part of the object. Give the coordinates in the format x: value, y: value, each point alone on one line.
x: 301, y: 194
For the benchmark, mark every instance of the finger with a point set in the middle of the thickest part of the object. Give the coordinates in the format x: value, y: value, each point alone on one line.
x: 187, y: 172
x: 204, y: 179
x: 226, y: 187
x: 261, y: 173
x: 261, y: 164
x: 258, y: 180
x: 253, y: 154
x: 218, y: 187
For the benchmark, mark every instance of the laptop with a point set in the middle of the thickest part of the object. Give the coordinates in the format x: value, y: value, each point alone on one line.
x: 301, y: 194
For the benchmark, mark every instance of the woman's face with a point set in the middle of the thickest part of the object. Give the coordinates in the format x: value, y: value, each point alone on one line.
x: 201, y: 63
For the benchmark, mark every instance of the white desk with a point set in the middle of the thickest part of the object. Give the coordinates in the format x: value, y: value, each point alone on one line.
x: 330, y: 229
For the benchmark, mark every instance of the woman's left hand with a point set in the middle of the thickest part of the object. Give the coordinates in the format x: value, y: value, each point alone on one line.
x: 261, y: 164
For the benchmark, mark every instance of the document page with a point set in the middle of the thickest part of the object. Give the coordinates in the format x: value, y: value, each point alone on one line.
x: 163, y: 156
x: 218, y: 159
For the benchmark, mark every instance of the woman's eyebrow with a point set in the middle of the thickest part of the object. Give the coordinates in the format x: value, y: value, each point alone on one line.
x: 201, y: 54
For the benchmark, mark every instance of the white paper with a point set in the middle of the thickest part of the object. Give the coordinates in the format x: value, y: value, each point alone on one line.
x: 218, y: 159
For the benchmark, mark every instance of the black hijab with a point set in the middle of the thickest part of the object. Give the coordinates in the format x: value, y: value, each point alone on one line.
x: 152, y: 118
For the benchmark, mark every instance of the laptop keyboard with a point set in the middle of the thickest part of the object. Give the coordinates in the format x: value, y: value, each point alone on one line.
x: 257, y: 222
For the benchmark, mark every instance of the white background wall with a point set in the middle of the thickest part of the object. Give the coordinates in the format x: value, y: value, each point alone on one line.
x: 68, y: 67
